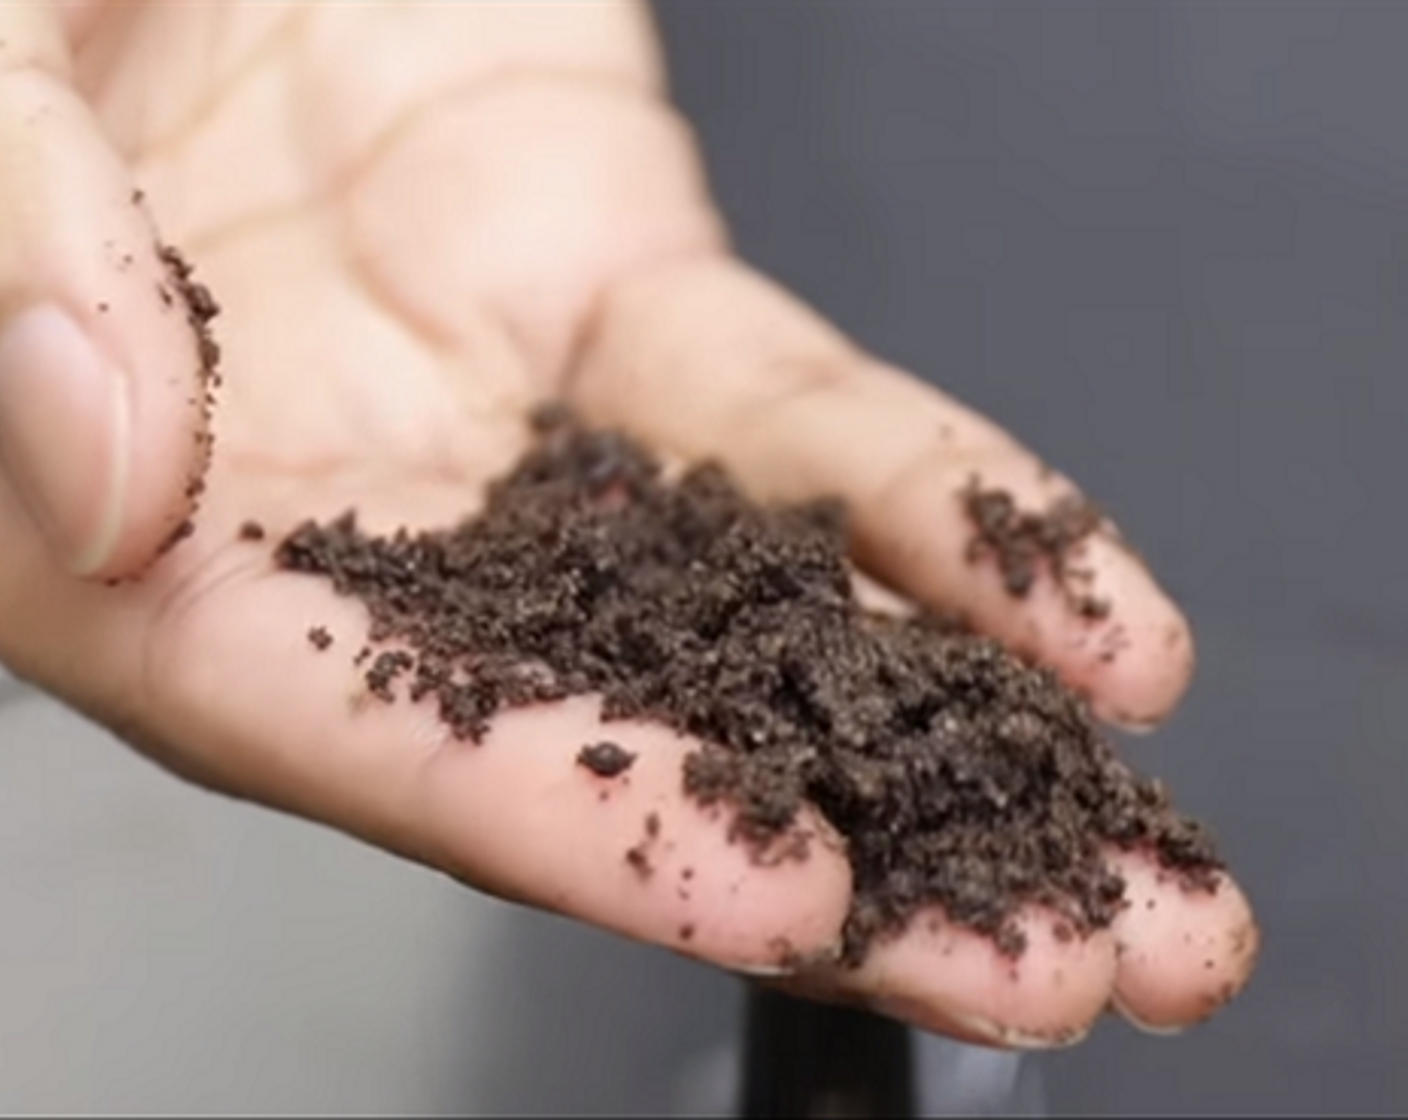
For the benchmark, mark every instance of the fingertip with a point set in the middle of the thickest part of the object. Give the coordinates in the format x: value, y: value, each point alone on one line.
x: 101, y: 397
x: 155, y: 316
x: 947, y: 979
x: 1184, y: 952
x: 106, y: 469
x: 1058, y: 589
x: 1135, y: 663
x: 118, y: 427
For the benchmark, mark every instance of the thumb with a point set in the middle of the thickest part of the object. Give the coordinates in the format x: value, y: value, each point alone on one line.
x: 102, y: 406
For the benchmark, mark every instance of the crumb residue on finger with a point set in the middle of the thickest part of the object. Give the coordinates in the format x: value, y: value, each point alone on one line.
x: 1024, y: 543
x: 200, y: 309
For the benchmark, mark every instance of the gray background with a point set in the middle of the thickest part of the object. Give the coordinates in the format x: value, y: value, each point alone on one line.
x: 1167, y: 244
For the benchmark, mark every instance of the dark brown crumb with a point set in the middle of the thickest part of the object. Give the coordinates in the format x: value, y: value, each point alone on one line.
x: 178, y: 533
x: 958, y: 775
x: 384, y: 671
x: 1022, y: 542
x: 786, y: 954
x: 638, y: 857
x: 201, y: 308
x: 606, y: 759
x: 251, y: 531
x: 320, y: 637
x: 549, y: 416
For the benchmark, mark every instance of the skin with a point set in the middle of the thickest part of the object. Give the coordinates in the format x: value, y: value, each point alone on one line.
x: 420, y: 220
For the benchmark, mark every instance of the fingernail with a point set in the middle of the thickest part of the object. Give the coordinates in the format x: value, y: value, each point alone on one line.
x: 1143, y: 1027
x: 63, y: 434
x: 1013, y: 1039
x: 790, y: 963
x: 1056, y: 1040
x: 1131, y: 726
x: 977, y: 1030
x: 760, y: 971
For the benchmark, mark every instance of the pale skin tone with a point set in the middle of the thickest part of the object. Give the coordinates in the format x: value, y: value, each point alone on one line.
x: 420, y: 220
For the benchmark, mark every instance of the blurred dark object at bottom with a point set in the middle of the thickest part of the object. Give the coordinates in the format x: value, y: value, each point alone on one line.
x: 808, y: 1059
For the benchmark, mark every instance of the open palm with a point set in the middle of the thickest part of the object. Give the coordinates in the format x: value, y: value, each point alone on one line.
x: 420, y: 221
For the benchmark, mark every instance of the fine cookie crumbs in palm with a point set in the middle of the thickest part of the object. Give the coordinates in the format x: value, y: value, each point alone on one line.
x: 959, y: 776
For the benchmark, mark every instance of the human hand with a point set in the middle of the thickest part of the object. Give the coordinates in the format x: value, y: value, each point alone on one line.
x: 421, y: 220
